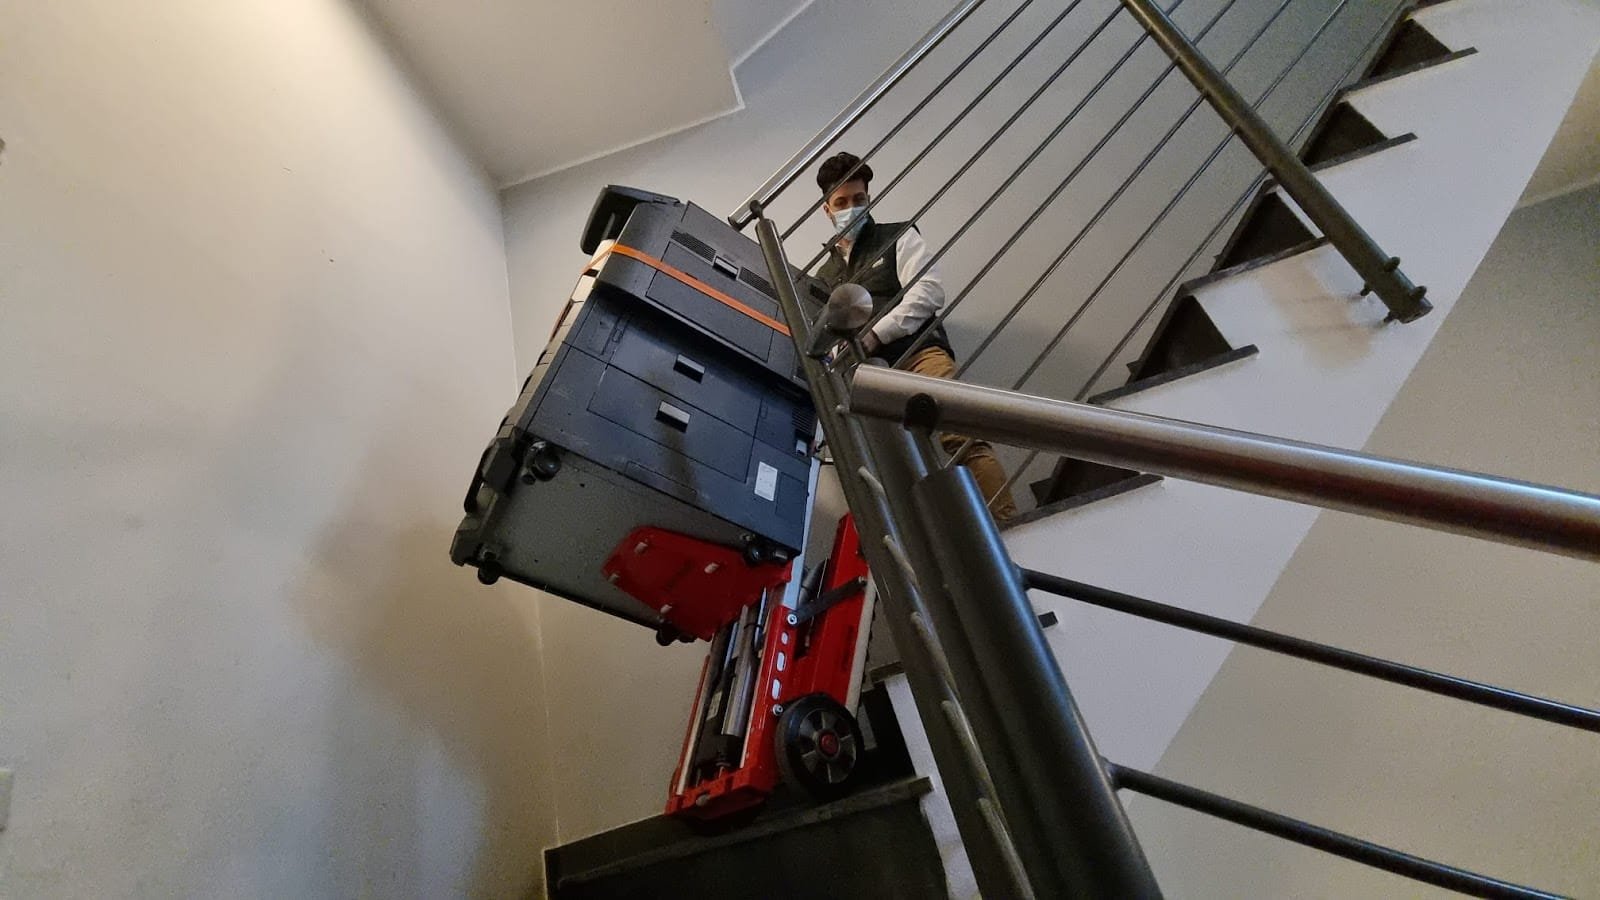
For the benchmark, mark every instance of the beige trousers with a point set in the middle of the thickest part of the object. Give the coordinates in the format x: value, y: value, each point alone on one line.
x: 986, y: 469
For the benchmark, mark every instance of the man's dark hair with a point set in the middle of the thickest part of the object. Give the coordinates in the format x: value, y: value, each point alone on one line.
x: 836, y: 167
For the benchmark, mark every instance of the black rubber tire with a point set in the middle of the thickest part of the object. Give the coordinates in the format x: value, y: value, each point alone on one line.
x: 543, y: 464
x: 489, y: 572
x: 801, y: 744
x: 756, y: 552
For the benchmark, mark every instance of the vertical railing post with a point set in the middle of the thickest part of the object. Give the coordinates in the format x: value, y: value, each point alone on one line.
x: 904, y: 459
x: 1052, y: 812
x: 984, y: 843
x: 1071, y: 799
x: 1406, y: 301
x: 1064, y: 820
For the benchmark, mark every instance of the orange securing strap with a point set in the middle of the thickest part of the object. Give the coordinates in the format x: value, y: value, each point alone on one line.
x: 689, y: 280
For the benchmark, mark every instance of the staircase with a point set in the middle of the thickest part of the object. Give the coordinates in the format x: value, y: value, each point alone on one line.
x: 1307, y: 360
x: 1425, y: 132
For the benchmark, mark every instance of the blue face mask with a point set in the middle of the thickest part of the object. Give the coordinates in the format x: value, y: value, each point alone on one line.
x: 849, y: 220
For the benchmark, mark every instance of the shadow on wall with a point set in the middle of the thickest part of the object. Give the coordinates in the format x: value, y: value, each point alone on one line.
x: 462, y: 661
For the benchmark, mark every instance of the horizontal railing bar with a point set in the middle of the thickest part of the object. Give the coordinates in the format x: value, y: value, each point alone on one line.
x: 848, y: 116
x: 905, y: 120
x: 1512, y: 512
x: 1397, y: 673
x: 1329, y: 841
x: 1105, y: 207
x: 994, y: 138
x: 906, y: 170
x: 928, y: 330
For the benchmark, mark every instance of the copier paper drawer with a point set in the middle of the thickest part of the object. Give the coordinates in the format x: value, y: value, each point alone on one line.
x: 703, y: 379
x: 672, y: 422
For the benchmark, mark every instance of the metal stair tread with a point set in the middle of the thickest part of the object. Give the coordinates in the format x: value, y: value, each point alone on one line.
x: 1271, y: 184
x: 1210, y: 278
x: 1080, y: 500
x: 1171, y: 375
x: 1354, y: 155
x: 1365, y: 83
x: 788, y: 820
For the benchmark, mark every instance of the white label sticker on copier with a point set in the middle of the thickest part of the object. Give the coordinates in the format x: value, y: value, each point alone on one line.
x: 766, y: 481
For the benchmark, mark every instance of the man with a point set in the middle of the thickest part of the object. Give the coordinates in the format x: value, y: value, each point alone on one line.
x: 883, y: 258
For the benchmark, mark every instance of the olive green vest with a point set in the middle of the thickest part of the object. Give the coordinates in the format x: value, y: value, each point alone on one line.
x: 872, y: 264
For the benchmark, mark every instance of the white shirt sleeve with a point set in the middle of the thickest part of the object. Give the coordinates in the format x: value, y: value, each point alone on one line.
x: 922, y: 299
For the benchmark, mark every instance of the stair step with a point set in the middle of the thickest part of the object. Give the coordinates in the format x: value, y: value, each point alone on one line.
x: 1188, y: 288
x: 1184, y: 335
x: 1269, y: 227
x: 1135, y: 481
x: 840, y: 843
x: 1410, y: 44
x: 1271, y: 184
x: 1270, y: 223
x: 1171, y: 375
x: 1364, y: 152
x: 1365, y: 83
x: 1343, y: 131
x: 1072, y: 477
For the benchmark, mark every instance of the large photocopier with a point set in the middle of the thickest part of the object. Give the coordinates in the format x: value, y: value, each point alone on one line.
x: 669, y: 397
x: 659, y: 466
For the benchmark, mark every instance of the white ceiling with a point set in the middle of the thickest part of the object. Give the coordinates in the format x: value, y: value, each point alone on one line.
x: 1573, y: 160
x: 747, y: 24
x: 533, y: 86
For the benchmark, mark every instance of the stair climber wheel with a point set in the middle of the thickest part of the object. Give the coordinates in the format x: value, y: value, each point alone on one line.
x: 818, y: 746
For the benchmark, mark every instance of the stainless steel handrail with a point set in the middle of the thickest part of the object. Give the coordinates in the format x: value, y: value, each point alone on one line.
x: 801, y: 161
x: 1511, y: 512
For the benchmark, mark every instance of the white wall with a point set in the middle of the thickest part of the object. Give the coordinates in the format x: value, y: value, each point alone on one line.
x: 1510, y: 386
x: 254, y: 313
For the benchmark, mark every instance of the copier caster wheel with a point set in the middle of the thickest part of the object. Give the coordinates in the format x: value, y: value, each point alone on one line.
x: 760, y: 551
x: 818, y: 746
x: 489, y: 571
x: 666, y: 635
x: 542, y: 464
x: 755, y: 550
